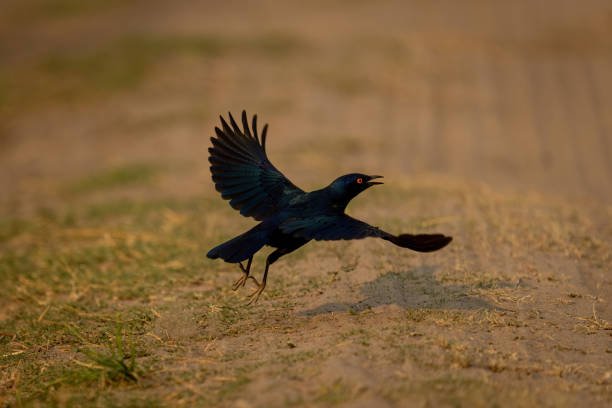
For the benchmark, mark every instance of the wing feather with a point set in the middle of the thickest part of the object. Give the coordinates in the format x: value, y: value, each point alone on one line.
x: 343, y: 227
x: 330, y: 228
x: 242, y: 172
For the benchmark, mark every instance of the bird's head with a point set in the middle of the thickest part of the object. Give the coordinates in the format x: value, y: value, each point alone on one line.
x: 346, y: 187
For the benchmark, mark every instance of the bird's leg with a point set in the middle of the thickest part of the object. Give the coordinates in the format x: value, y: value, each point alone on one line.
x: 260, y: 286
x: 245, y: 275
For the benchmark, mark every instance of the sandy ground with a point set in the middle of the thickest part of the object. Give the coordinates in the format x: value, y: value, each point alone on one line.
x: 491, y: 122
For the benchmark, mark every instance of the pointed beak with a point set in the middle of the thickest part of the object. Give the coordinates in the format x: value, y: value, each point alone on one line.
x: 372, y: 183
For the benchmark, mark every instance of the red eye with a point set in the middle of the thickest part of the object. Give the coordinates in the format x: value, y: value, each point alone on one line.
x: 359, y: 180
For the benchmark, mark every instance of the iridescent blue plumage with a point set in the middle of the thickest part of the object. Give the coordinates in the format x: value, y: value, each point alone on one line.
x: 289, y: 216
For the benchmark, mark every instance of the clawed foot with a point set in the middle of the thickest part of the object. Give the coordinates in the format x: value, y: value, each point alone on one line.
x: 242, y: 280
x: 255, y: 295
x: 245, y: 276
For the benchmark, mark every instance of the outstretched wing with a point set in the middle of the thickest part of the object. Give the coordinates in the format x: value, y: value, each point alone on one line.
x: 339, y: 227
x: 242, y: 172
x: 330, y: 228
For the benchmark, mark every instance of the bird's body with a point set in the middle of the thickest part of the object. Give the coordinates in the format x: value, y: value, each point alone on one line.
x: 289, y: 217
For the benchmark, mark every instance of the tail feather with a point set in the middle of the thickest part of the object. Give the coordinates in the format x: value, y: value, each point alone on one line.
x: 421, y: 242
x: 241, y: 247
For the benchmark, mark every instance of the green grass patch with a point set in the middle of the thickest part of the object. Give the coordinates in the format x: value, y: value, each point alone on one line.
x: 56, y: 9
x: 109, y: 259
x: 109, y: 365
x: 70, y: 76
x: 127, y: 175
x: 11, y: 227
x: 123, y: 63
x: 73, y: 349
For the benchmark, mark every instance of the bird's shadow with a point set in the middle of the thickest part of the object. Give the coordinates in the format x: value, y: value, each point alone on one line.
x: 413, y: 288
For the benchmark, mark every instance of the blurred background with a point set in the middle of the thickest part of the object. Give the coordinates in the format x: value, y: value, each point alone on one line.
x: 99, y: 95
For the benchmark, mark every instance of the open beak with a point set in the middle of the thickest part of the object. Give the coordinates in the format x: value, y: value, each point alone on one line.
x: 372, y: 183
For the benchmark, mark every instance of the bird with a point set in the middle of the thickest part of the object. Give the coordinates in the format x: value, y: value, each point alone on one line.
x: 288, y: 216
